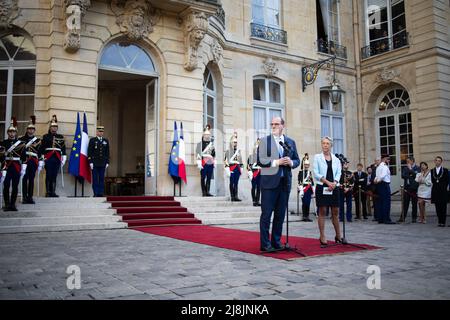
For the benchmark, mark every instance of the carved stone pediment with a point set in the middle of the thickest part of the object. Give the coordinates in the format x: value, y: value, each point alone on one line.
x: 74, y: 11
x: 387, y: 75
x: 195, y: 28
x: 270, y: 67
x: 135, y: 18
x: 9, y: 10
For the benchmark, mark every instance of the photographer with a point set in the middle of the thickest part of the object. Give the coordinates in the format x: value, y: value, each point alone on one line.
x: 410, y: 189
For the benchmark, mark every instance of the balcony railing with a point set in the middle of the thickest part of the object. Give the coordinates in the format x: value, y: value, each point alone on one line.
x: 268, y: 33
x: 332, y: 48
x: 385, y: 45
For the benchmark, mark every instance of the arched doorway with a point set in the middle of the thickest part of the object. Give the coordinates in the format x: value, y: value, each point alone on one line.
x: 394, y: 130
x: 17, y: 80
x: 127, y: 106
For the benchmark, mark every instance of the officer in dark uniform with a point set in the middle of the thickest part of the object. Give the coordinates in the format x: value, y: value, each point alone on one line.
x: 233, y: 166
x: 254, y: 173
x: 360, y: 178
x: 347, y: 183
x: 53, y: 148
x: 206, y: 154
x: 15, y: 166
x: 34, y: 161
x: 98, y: 157
x: 305, y: 187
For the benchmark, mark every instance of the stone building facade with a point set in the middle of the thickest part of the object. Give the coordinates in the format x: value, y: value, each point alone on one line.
x: 136, y: 66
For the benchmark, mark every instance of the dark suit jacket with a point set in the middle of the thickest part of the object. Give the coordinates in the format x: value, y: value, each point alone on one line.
x: 439, y: 189
x: 267, y: 152
x: 360, y: 181
x: 98, y: 152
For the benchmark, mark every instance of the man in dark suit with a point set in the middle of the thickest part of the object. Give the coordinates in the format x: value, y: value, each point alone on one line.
x: 98, y: 157
x: 277, y: 156
x: 439, y: 179
x: 410, y: 189
x: 360, y: 189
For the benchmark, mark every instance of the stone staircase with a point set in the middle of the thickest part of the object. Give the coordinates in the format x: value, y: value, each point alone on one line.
x: 61, y: 214
x: 221, y: 211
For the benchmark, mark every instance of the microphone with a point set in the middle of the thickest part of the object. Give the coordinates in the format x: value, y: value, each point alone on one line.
x: 284, y: 145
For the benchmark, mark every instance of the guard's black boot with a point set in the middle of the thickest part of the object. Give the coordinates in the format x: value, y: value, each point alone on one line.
x: 254, y: 197
x: 202, y: 183
x: 231, y: 193
x: 12, y: 204
x: 54, y: 189
x: 208, y: 185
x: 6, y: 198
x: 258, y: 197
x: 47, y: 188
x: 30, y: 193
x: 24, y: 191
x: 236, y: 192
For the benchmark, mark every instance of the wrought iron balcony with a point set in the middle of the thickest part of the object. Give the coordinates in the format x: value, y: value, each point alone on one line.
x: 268, y: 33
x: 332, y: 48
x: 385, y: 45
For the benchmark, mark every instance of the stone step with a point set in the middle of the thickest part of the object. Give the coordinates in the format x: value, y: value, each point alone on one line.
x: 67, y: 220
x: 198, y: 210
x: 62, y: 227
x: 24, y: 212
x: 220, y: 215
x: 244, y: 220
x: 128, y: 204
x: 68, y: 199
x: 62, y: 206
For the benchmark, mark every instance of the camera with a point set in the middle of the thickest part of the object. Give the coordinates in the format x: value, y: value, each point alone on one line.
x: 341, y: 158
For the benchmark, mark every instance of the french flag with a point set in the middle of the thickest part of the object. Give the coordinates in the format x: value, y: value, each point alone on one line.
x: 85, y: 169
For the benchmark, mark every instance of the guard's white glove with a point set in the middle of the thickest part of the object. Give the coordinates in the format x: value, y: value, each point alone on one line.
x: 199, y: 164
x: 250, y: 175
x: 91, y: 165
x: 301, y: 193
x: 41, y: 165
x: 2, y: 178
x: 228, y: 172
x: 24, y: 169
x: 63, y: 160
x: 107, y: 165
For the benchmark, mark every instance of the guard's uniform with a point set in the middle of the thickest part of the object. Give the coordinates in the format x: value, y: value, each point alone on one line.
x: 13, y: 158
x: 347, y: 183
x: 98, y: 155
x: 53, y: 149
x: 306, y: 184
x: 255, y: 171
x: 33, y: 156
x: 360, y: 178
x: 206, y: 154
x: 233, y: 163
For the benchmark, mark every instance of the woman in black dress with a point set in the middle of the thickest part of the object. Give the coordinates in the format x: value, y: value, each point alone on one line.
x: 327, y: 172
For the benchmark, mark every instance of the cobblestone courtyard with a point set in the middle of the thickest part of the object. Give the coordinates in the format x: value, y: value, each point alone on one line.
x: 127, y: 264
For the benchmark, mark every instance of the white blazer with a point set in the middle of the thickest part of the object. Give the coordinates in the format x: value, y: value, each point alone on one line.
x: 320, y: 167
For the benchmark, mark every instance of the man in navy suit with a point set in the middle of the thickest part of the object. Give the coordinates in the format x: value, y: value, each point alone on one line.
x: 277, y: 156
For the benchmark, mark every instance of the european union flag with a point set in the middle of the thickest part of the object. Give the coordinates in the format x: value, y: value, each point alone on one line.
x: 74, y: 160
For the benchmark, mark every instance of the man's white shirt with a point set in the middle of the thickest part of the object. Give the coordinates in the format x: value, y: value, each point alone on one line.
x: 383, y: 173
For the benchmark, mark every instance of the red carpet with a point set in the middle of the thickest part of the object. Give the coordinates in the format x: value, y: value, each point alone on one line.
x: 248, y: 241
x: 142, y: 211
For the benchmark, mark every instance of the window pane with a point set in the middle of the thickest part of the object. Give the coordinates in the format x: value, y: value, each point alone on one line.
x: 274, y: 113
x: 325, y: 126
x: 259, y: 90
x: 18, y: 47
x: 325, y: 100
x: 338, y: 129
x: 127, y: 56
x: 275, y: 92
x: 210, y: 106
x: 210, y: 84
x: 258, y: 11
x: 24, y: 81
x: 2, y: 131
x: 26, y: 51
x: 398, y: 8
x: 259, y: 121
x: 22, y: 109
x: 3, y: 109
x: 3, y: 81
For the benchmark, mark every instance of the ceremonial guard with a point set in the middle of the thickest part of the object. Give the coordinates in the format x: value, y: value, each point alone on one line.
x: 360, y: 178
x: 98, y: 157
x: 206, y: 154
x: 233, y: 165
x: 440, y: 180
x: 347, y: 183
x: 34, y: 161
x: 54, y: 150
x: 14, y: 166
x: 305, y: 187
x: 254, y: 174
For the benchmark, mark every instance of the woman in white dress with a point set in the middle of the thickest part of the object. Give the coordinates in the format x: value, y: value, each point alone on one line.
x: 424, y: 191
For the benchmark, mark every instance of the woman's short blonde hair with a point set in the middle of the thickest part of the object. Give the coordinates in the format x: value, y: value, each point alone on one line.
x: 327, y: 138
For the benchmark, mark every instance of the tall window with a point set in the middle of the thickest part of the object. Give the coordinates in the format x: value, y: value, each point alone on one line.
x: 17, y: 81
x: 332, y: 121
x: 328, y: 20
x: 268, y: 102
x: 209, y: 100
x: 395, y: 128
x: 386, y: 24
x: 266, y: 12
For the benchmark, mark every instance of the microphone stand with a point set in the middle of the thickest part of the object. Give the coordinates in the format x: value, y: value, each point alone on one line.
x: 287, y: 247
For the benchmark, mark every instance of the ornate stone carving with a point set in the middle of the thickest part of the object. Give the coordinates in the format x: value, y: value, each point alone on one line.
x: 195, y: 27
x: 387, y: 75
x: 9, y: 10
x: 75, y: 11
x: 135, y: 18
x: 216, y: 51
x: 270, y: 67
